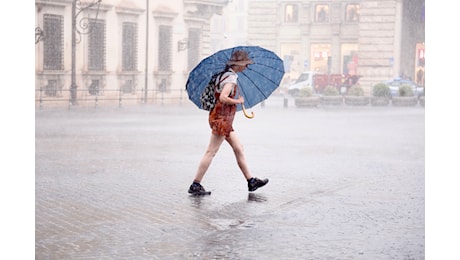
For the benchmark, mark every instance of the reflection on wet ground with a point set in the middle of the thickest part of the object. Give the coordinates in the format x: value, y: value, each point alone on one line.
x: 254, y: 197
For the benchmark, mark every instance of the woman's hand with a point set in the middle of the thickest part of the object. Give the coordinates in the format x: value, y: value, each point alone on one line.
x: 240, y: 100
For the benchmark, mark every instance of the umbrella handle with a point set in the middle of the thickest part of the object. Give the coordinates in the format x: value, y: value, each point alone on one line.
x: 245, y: 113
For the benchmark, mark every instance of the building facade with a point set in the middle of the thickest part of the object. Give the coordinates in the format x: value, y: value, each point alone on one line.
x: 135, y: 50
x: 142, y: 50
x: 377, y: 40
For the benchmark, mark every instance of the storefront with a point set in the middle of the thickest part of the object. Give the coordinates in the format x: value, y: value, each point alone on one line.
x: 349, y: 59
x: 321, y: 58
x: 420, y: 64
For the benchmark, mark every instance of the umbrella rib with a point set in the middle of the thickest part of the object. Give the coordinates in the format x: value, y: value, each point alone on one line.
x: 269, y: 79
x: 244, y: 94
x: 259, y: 73
x: 255, y: 84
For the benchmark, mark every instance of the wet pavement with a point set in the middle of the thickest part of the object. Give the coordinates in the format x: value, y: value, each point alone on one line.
x: 345, y: 183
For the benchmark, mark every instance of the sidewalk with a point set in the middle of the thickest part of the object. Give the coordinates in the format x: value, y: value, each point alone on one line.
x: 345, y: 183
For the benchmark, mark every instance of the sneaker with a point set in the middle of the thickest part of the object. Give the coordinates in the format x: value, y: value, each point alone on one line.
x: 255, y: 183
x: 197, y: 189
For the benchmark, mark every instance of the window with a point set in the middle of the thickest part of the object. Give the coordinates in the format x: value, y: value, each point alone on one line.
x: 322, y: 13
x: 320, y: 57
x: 53, y: 46
x: 51, y: 89
x: 349, y: 59
x: 96, y: 45
x: 129, y: 45
x: 162, y: 86
x: 165, y: 46
x: 128, y: 87
x: 93, y: 89
x: 352, y: 13
x: 194, y: 47
x: 290, y: 13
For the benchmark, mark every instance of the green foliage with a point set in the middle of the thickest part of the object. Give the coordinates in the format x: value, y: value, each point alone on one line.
x: 331, y: 91
x: 381, y: 90
x: 306, y: 92
x: 355, y: 90
x: 406, y: 91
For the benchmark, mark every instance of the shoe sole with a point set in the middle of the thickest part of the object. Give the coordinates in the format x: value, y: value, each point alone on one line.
x: 201, y: 193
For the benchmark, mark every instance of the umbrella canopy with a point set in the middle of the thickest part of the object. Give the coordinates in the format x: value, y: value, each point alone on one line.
x: 256, y: 82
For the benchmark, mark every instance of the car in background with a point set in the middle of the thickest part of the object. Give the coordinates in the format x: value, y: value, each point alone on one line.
x: 395, y: 83
x: 319, y: 81
x: 303, y: 81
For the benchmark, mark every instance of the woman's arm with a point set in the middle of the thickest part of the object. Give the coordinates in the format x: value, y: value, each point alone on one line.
x: 224, y: 95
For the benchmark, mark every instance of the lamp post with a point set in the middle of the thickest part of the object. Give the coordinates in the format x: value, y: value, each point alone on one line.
x: 146, y: 50
x: 86, y: 29
x: 73, y: 84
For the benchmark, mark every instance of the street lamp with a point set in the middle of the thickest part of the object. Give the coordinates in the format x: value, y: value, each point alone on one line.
x: 38, y: 34
x: 85, y: 30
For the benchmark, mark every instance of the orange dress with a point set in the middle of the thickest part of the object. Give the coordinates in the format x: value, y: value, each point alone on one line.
x: 221, y: 117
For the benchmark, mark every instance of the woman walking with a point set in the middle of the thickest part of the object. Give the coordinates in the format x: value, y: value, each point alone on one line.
x: 221, y: 121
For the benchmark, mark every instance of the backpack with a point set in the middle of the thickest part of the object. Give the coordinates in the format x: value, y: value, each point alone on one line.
x: 208, y: 98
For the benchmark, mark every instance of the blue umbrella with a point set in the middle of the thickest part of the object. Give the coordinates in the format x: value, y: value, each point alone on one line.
x: 255, y: 83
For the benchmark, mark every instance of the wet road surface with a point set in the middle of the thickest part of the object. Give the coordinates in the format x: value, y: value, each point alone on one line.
x: 345, y: 183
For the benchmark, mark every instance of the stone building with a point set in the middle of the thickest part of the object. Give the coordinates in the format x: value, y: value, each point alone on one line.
x: 376, y: 39
x: 130, y: 50
x: 142, y: 50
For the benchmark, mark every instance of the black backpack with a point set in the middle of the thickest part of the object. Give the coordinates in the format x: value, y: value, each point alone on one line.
x: 208, y: 98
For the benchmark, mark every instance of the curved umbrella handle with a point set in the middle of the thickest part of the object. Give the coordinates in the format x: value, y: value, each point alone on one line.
x: 245, y: 113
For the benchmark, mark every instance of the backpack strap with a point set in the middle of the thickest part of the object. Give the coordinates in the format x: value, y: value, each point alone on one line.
x: 220, y: 80
x: 217, y: 94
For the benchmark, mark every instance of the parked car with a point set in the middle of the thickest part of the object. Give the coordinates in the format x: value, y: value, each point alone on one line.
x: 395, y: 83
x: 318, y: 82
x: 303, y: 81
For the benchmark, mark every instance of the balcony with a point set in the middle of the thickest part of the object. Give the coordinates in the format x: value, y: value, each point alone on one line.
x: 203, y: 9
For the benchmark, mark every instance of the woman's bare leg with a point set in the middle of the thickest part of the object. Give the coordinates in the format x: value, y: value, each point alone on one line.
x: 214, y: 144
x: 238, y: 150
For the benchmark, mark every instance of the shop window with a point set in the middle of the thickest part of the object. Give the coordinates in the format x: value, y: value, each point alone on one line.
x: 53, y: 47
x: 129, y: 45
x: 350, y: 64
x: 96, y: 45
x: 420, y: 76
x: 352, y: 13
x: 421, y: 58
x: 322, y: 13
x: 290, y: 13
x: 321, y: 60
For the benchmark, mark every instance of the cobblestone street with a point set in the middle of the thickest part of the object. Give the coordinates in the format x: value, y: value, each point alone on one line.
x: 345, y: 183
